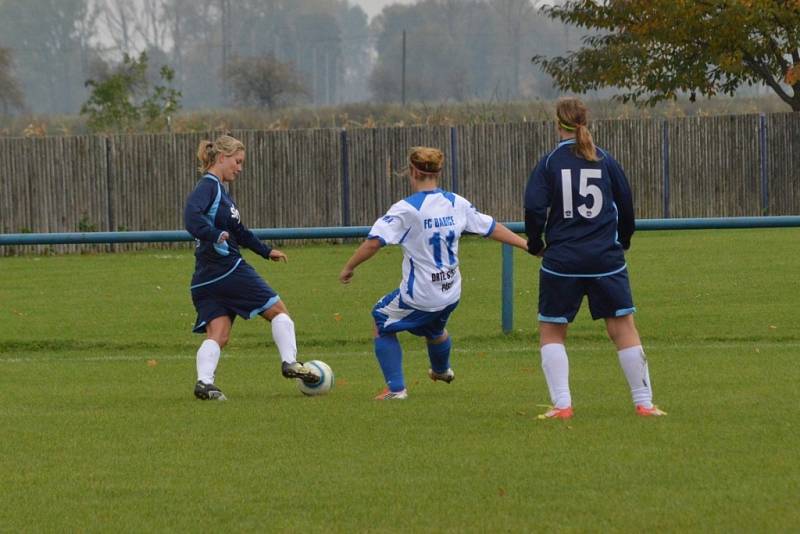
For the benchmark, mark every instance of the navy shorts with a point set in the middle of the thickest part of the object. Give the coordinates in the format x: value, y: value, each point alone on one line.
x: 560, y: 296
x: 243, y: 292
x: 392, y: 315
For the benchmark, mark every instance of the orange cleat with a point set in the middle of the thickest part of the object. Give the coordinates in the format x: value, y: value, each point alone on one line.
x: 557, y: 413
x: 649, y: 412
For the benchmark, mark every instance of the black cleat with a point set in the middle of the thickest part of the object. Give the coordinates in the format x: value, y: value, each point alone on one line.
x: 298, y: 370
x: 208, y: 392
x: 447, y: 376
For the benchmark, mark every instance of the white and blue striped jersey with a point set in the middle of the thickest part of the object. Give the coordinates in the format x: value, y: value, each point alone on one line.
x: 428, y: 225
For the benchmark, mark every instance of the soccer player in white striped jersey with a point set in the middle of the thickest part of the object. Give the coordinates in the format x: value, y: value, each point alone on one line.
x: 427, y: 225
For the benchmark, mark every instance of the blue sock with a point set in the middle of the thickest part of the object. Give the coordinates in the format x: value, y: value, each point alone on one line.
x: 390, y: 358
x: 440, y: 356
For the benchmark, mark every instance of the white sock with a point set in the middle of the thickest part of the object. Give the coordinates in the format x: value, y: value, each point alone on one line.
x: 207, y: 360
x: 634, y: 364
x: 283, y: 334
x: 556, y: 372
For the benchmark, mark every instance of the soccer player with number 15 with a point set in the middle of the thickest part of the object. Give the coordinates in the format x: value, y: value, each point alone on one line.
x: 579, y: 196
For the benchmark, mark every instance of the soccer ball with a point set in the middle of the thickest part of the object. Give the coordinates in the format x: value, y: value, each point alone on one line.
x: 324, y: 385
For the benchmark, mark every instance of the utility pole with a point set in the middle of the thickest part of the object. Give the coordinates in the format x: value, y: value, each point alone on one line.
x: 403, y: 90
x: 225, y: 6
x: 327, y: 79
x: 314, y: 76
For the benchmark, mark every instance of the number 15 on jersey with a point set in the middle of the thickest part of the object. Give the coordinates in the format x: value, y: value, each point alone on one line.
x: 585, y: 189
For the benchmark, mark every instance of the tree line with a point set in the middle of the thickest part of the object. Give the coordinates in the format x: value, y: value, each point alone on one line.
x: 68, y: 56
x: 272, y: 53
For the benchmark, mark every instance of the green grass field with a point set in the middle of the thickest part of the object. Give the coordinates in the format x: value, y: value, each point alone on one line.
x: 100, y: 431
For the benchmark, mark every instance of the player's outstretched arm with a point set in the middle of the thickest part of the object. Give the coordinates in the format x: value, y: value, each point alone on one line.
x: 368, y: 248
x: 504, y: 235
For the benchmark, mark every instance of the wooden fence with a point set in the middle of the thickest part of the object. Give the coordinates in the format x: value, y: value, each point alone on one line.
x: 720, y: 166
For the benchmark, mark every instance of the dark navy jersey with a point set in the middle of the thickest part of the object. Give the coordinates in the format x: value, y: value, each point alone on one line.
x: 585, y: 209
x: 209, y: 212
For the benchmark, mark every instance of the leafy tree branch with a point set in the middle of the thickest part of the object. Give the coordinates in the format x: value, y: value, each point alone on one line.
x: 655, y: 49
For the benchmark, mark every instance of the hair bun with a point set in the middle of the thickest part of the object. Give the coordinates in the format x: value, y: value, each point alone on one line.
x: 426, y: 159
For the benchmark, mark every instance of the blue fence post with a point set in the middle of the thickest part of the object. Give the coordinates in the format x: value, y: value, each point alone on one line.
x: 345, y: 181
x: 507, y: 291
x: 507, y: 305
x: 665, y: 155
x: 112, y: 223
x: 454, y: 158
x: 762, y: 146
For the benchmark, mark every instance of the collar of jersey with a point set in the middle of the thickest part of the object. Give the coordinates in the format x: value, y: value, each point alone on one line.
x: 212, y: 176
x: 565, y: 142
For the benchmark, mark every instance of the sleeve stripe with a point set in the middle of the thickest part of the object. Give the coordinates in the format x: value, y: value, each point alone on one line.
x: 379, y: 238
x: 491, y: 229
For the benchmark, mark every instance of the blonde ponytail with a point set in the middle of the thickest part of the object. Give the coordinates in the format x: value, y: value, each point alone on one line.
x: 584, y: 144
x: 208, y: 151
x: 206, y: 155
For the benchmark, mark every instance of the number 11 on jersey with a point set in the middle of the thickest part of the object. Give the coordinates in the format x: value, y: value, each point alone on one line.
x: 436, y: 243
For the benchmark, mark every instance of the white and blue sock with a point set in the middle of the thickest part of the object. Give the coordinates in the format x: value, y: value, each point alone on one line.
x: 390, y: 358
x: 634, y: 364
x: 440, y: 356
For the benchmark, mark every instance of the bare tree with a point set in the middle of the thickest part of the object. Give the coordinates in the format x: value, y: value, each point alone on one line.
x: 152, y: 25
x: 263, y: 81
x: 11, y: 96
x: 514, y: 16
x: 120, y: 18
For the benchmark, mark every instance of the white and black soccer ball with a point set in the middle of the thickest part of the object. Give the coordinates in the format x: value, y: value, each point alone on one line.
x: 324, y: 371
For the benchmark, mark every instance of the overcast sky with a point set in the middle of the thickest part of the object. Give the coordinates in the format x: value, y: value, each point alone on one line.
x: 373, y: 7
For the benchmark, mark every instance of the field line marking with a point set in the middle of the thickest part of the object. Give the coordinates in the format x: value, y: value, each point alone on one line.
x: 312, y: 354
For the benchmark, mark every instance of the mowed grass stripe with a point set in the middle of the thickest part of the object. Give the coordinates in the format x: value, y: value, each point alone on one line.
x: 101, y: 431
x: 66, y: 357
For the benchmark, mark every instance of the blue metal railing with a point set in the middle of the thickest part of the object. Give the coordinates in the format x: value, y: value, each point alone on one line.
x: 172, y: 236
x: 334, y: 232
x: 507, y: 316
x: 507, y: 311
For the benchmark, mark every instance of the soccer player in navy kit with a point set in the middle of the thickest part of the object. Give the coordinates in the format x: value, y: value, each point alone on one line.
x: 579, y: 196
x: 427, y: 225
x: 224, y: 285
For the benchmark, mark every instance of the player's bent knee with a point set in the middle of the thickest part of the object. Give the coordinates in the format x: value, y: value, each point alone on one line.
x: 280, y: 318
x: 220, y: 338
x: 439, y: 340
x: 622, y: 331
x: 276, y: 310
x: 390, y: 335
